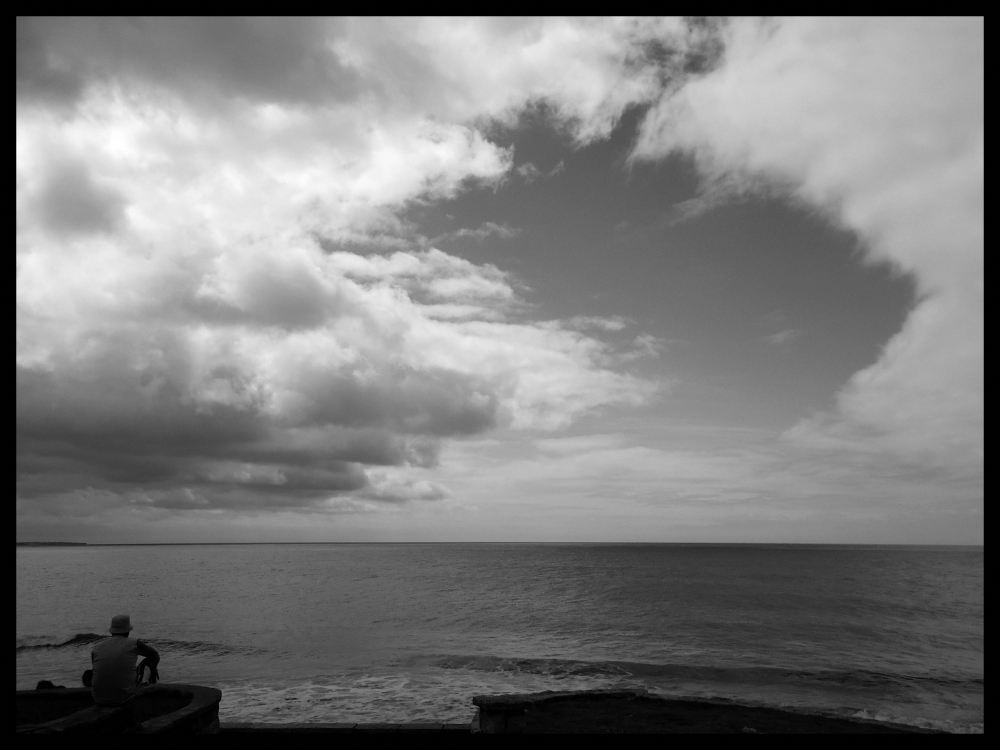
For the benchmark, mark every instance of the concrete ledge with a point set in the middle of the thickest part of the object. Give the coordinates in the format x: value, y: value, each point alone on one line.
x: 419, y: 727
x: 241, y: 727
x: 376, y: 728
x: 637, y: 712
x: 180, y: 709
x: 521, y: 701
x: 200, y: 716
x: 507, y: 713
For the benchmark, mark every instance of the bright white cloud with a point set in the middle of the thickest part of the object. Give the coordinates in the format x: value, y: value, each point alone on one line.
x: 177, y: 322
x: 879, y: 122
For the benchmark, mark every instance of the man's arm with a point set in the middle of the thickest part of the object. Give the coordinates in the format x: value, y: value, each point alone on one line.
x: 151, y: 660
x: 151, y: 657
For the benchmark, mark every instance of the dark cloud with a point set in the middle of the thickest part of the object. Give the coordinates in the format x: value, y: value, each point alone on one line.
x: 403, y: 399
x: 38, y: 77
x: 280, y: 60
x: 72, y: 201
x: 105, y: 422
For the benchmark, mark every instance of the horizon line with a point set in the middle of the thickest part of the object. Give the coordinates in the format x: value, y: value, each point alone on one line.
x: 744, y: 544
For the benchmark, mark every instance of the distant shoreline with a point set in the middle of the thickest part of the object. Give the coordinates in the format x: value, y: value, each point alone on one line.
x: 52, y: 544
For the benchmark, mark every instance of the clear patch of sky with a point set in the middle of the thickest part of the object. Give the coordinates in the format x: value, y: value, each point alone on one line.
x: 768, y: 305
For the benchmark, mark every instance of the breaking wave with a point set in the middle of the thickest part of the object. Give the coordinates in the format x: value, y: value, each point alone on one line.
x: 31, y: 643
x: 560, y: 668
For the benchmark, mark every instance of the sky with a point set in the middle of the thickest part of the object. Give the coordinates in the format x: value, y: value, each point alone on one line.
x: 609, y: 280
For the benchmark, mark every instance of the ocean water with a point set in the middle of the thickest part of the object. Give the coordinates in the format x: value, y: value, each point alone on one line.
x: 410, y: 632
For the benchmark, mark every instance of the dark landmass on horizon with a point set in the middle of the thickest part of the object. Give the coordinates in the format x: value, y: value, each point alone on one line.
x: 52, y: 544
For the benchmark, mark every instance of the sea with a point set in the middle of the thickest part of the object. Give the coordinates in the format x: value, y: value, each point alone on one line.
x: 411, y: 632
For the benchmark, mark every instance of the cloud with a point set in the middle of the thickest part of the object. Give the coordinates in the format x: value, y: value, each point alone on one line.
x: 644, y: 345
x: 528, y: 171
x: 282, y: 60
x: 482, y: 232
x: 333, y: 364
x: 879, y: 124
x: 194, y: 337
x: 69, y: 200
x: 693, y: 483
x: 38, y: 76
x: 591, y: 322
x: 192, y: 334
x: 781, y: 338
x: 385, y: 488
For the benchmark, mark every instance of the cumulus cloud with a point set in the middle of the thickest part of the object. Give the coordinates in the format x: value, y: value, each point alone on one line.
x: 879, y: 124
x: 190, y: 337
x: 280, y: 390
x: 211, y: 354
x: 386, y: 488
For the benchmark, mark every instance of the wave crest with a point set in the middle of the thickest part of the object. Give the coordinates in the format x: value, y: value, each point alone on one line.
x: 31, y: 643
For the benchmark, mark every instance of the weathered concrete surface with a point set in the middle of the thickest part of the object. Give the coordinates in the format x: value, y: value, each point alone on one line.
x: 637, y: 712
x: 199, y: 716
x: 157, y: 709
x: 232, y: 727
x: 241, y: 727
x: 508, y: 713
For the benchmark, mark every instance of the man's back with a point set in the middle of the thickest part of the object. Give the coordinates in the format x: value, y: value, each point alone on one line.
x: 114, y: 680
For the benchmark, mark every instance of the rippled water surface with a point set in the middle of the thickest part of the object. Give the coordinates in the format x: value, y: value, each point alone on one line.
x: 408, y: 632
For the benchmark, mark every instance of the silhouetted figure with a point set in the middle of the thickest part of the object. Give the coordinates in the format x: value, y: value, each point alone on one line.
x: 88, y: 678
x: 115, y: 676
x: 46, y: 685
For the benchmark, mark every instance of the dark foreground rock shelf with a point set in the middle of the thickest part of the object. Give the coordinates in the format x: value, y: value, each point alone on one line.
x: 192, y: 709
x: 637, y: 712
x: 157, y: 709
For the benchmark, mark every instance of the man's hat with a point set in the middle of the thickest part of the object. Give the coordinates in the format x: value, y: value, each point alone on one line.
x: 120, y: 624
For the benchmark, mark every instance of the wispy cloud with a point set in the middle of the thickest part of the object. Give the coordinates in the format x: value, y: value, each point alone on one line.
x: 482, y: 232
x: 784, y: 337
x: 528, y: 171
x: 595, y: 322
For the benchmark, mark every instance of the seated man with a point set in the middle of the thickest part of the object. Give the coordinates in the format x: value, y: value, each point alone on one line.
x: 116, y: 678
